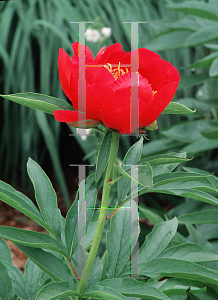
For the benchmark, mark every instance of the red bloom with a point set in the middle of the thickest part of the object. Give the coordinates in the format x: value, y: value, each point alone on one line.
x: 108, y: 88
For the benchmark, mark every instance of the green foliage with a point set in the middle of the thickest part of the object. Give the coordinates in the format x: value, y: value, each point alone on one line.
x: 158, y: 256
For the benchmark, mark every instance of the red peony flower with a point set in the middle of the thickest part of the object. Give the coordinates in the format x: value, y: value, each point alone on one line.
x: 108, y: 88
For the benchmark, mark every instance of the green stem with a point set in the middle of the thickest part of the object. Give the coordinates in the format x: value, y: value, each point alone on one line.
x: 103, y: 214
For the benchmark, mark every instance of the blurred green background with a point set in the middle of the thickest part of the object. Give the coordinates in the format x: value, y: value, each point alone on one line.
x: 184, y: 33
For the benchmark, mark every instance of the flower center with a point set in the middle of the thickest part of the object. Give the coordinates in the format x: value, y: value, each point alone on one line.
x: 116, y: 72
x: 119, y: 72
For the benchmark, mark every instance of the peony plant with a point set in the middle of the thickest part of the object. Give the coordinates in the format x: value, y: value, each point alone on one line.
x: 67, y: 262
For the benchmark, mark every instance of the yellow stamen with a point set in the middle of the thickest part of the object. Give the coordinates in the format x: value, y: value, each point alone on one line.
x: 153, y: 93
x: 116, y: 72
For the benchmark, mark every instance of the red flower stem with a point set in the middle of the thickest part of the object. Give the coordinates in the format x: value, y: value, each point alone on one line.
x: 112, y: 214
x: 103, y: 214
x: 74, y: 271
x: 117, y: 209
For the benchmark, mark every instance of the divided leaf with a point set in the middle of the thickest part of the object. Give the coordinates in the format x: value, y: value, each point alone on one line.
x: 20, y: 202
x: 56, y: 268
x: 55, y: 290
x: 132, y: 288
x: 45, y: 196
x: 170, y: 267
x: 34, y: 279
x: 157, y: 240
x: 104, y: 293
x: 5, y: 282
x: 190, y: 252
x: 118, y: 240
x: 5, y: 251
x: 71, y: 227
x: 31, y: 239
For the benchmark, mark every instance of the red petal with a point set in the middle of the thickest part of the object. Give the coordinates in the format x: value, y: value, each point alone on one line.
x: 68, y: 116
x: 71, y: 118
x: 88, y: 53
x: 159, y: 103
x: 117, y: 108
x: 65, y: 70
x: 97, y: 95
x: 145, y: 56
x: 103, y: 58
x: 121, y: 57
x: 98, y: 74
x: 99, y: 54
x: 158, y: 71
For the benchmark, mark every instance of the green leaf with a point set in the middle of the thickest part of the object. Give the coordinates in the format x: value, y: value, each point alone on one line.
x: 103, y: 155
x: 17, y: 279
x: 5, y: 251
x: 20, y: 202
x: 185, y: 192
x: 150, y: 215
x: 55, y: 290
x: 210, y: 294
x: 164, y: 163
x: 186, y: 180
x: 132, y: 288
x: 168, y: 41
x: 157, y: 240
x: 162, y: 159
x: 210, y: 134
x: 212, y: 178
x: 53, y: 266
x: 177, y: 286
x: 71, y: 227
x: 202, y: 107
x: 203, y: 35
x: 177, y: 108
x: 196, y: 8
x: 193, y: 79
x: 152, y: 126
x: 144, y: 174
x: 211, y: 46
x: 189, y: 187
x: 214, y: 68
x: 105, y: 293
x: 90, y: 234
x: 169, y: 267
x: 45, y: 196
x: 34, y: 279
x: 189, y: 131
x: 201, y: 146
x: 132, y: 156
x: 190, y: 252
x: 5, y: 282
x: 204, y: 62
x: 38, y: 101
x: 201, y: 217
x: 118, y: 242
x: 31, y: 239
x: 160, y: 145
